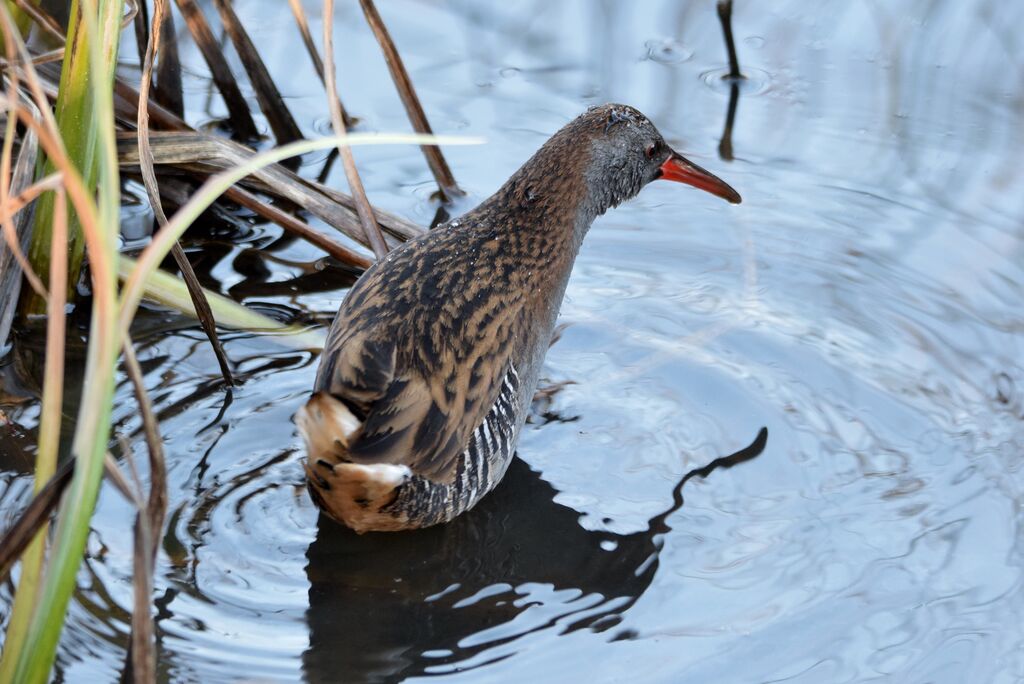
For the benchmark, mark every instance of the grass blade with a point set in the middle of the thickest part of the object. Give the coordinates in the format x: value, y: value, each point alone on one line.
x: 163, y: 288
x: 99, y: 22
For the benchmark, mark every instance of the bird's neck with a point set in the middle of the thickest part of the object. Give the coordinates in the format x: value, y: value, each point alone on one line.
x: 541, y: 222
x: 551, y: 198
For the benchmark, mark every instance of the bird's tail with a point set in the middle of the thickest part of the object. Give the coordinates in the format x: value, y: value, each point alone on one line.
x: 327, y: 426
x: 351, y: 493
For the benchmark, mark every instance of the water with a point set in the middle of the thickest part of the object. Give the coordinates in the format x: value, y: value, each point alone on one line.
x: 863, y: 304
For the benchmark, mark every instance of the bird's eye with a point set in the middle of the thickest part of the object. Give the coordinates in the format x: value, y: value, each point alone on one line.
x: 651, y: 149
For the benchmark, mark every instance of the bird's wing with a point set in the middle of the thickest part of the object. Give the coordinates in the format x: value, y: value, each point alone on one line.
x: 420, y: 390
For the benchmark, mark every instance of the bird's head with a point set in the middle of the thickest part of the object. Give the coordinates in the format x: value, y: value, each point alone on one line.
x: 626, y: 152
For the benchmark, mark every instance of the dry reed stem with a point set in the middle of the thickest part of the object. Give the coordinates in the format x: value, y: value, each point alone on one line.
x: 725, y: 150
x: 366, y: 218
x: 44, y: 58
x: 238, y: 110
x: 231, y: 154
x: 725, y: 17
x: 142, y: 649
x: 11, y: 206
x: 280, y: 119
x: 307, y: 39
x: 41, y: 18
x: 140, y: 659
x: 195, y: 290
x: 156, y: 506
x: 300, y: 229
x: 32, y: 519
x: 8, y: 206
x: 446, y: 184
x: 141, y: 31
x: 129, y: 16
x: 119, y: 481
x: 169, y: 91
x: 148, y: 527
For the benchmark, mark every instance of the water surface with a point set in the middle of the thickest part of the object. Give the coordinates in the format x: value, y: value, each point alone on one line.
x: 863, y: 304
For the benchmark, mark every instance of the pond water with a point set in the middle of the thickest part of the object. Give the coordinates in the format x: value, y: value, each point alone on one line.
x: 864, y: 304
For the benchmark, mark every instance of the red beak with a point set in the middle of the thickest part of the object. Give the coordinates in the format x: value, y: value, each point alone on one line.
x: 678, y: 168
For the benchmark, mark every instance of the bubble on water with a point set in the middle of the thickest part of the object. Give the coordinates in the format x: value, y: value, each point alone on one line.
x: 667, y: 51
x: 753, y: 82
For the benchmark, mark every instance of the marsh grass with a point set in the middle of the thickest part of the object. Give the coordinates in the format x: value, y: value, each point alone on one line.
x: 90, y: 127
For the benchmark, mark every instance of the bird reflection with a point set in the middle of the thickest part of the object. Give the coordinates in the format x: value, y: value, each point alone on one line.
x: 383, y: 607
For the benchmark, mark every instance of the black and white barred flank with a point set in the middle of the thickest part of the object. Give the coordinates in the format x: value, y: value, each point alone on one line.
x: 480, y: 466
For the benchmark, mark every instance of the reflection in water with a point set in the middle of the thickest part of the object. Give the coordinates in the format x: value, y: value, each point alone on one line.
x: 734, y: 78
x: 389, y: 606
x: 725, y: 142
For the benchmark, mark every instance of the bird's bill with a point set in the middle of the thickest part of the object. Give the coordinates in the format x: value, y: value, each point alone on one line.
x: 681, y: 170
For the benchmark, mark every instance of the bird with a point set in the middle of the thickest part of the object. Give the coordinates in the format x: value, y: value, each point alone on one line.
x: 431, y: 364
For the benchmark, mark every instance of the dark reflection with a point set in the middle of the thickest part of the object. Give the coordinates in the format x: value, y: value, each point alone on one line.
x: 385, y: 607
x: 725, y: 142
x: 734, y: 77
x: 332, y: 276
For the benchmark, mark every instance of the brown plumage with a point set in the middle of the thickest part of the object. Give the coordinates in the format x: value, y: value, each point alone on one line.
x: 433, y: 359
